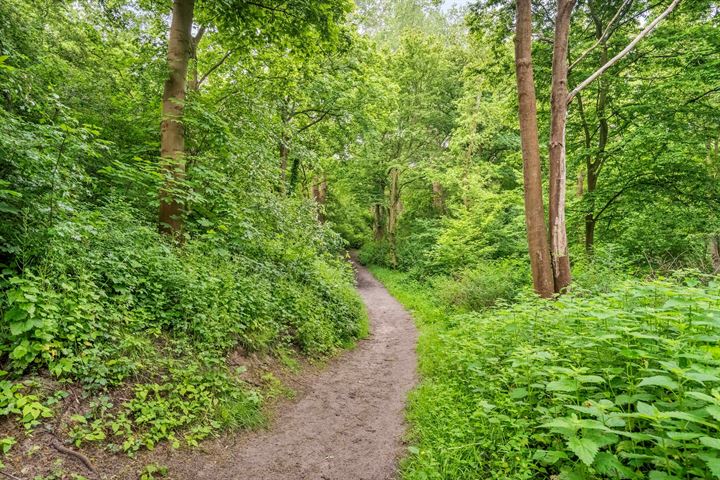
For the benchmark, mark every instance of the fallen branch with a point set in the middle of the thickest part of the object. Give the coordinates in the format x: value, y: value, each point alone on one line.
x: 79, y: 456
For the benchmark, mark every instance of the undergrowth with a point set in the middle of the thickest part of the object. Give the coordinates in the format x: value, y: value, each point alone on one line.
x: 622, y: 385
x: 144, y: 327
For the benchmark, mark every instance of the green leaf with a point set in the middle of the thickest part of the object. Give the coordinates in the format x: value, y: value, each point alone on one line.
x: 714, y: 411
x: 659, y: 381
x: 712, y: 462
x: 549, y: 457
x: 584, y: 448
x: 564, y: 385
x: 647, y: 410
x: 710, y: 442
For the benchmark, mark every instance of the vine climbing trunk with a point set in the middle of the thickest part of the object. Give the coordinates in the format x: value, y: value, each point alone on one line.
x: 534, y: 209
x: 558, y: 167
x: 172, y: 131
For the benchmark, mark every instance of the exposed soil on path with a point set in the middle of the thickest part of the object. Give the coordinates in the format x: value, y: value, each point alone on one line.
x: 346, y: 425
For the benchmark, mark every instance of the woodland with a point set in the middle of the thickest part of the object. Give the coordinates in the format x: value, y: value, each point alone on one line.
x: 538, y: 182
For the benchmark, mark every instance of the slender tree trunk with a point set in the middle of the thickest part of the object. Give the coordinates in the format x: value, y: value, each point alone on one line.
x: 378, y: 222
x: 594, y: 164
x: 393, y: 214
x: 172, y: 141
x: 284, y: 150
x: 319, y: 190
x: 534, y: 209
x: 193, y: 77
x: 438, y: 198
x: 558, y: 166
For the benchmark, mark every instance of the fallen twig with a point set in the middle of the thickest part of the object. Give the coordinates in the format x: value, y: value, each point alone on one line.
x: 67, y: 451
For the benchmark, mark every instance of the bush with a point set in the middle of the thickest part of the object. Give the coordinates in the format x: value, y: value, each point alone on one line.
x: 484, y: 285
x: 112, y: 301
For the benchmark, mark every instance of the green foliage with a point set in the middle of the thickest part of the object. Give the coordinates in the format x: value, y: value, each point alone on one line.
x: 485, y: 285
x: 620, y: 385
x: 90, y: 292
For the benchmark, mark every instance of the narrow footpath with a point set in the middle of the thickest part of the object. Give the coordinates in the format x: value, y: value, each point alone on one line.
x: 348, y: 425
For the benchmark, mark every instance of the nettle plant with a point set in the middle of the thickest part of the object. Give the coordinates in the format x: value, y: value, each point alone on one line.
x: 623, y: 385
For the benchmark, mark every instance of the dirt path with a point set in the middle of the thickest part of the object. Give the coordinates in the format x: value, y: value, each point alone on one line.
x: 348, y: 425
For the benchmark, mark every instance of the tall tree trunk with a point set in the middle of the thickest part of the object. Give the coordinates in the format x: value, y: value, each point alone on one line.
x: 558, y: 167
x: 393, y: 214
x: 594, y: 164
x: 172, y: 141
x: 534, y: 209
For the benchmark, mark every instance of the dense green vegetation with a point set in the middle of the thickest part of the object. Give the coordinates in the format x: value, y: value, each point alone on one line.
x: 180, y: 181
x: 92, y: 293
x: 621, y: 384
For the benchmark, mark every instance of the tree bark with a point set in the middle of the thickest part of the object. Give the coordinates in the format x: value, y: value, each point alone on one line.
x: 714, y: 250
x: 534, y: 209
x: 558, y: 166
x: 378, y: 222
x: 393, y: 214
x: 319, y: 190
x: 438, y: 198
x: 172, y: 132
x: 594, y: 164
x: 284, y: 150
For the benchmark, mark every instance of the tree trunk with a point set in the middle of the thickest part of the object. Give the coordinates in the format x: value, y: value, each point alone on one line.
x: 714, y: 249
x: 438, y: 198
x: 284, y: 149
x: 558, y: 167
x: 319, y: 190
x: 534, y: 209
x: 172, y: 141
x: 193, y: 78
x: 393, y: 214
x: 594, y: 165
x: 378, y: 222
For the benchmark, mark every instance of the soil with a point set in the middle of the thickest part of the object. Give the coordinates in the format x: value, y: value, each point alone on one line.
x: 345, y: 421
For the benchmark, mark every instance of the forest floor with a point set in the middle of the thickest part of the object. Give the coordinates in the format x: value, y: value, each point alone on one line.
x: 344, y: 422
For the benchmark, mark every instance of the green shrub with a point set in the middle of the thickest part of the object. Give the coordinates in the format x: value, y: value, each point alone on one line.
x: 112, y: 301
x: 484, y: 285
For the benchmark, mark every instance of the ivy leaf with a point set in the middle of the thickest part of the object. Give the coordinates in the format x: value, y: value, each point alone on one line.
x: 659, y: 381
x: 584, y: 448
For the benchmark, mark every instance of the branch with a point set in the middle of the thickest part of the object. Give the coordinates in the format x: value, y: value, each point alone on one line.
x: 317, y: 120
x: 603, y: 38
x: 709, y: 92
x: 624, y: 52
x: 213, y: 68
